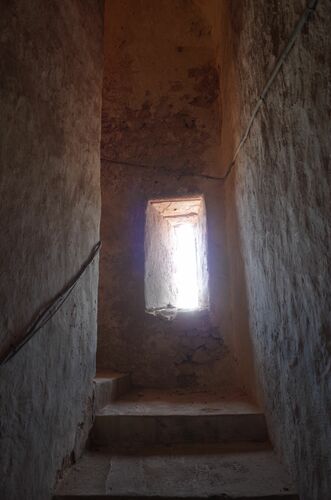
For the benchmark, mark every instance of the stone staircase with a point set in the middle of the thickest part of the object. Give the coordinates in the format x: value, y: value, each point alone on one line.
x: 175, y: 444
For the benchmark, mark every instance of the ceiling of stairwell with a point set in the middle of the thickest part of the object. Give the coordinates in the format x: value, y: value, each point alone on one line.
x: 160, y: 99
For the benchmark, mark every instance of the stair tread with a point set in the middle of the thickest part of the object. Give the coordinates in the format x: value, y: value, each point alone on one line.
x: 241, y: 470
x: 108, y: 386
x: 173, y: 403
x: 106, y: 375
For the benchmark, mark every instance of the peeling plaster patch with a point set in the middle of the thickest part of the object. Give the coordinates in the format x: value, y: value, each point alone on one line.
x: 159, y: 126
x: 206, y: 85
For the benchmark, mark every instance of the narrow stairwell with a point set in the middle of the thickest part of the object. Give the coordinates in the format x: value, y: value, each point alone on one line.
x: 174, y: 444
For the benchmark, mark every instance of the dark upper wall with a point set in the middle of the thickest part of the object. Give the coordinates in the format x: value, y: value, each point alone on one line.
x: 161, y: 108
x: 160, y: 98
x: 50, y: 108
x: 280, y: 194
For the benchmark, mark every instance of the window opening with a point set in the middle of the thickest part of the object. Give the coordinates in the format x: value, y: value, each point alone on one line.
x: 176, y: 274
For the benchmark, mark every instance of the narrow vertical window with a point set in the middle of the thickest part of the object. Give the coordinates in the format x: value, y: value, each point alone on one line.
x: 176, y: 274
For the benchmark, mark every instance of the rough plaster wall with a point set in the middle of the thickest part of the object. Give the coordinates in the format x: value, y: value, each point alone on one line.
x: 202, y: 256
x: 159, y: 270
x: 226, y: 20
x: 160, y: 107
x: 189, y: 351
x: 281, y: 187
x: 50, y: 107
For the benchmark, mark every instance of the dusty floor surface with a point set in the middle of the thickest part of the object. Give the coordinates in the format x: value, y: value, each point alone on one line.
x: 240, y: 471
x: 179, y: 402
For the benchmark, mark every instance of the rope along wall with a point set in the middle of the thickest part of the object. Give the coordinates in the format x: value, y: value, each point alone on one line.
x: 48, y: 311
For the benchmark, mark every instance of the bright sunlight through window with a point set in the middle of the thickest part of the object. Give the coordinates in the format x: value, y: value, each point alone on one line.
x: 176, y: 275
x: 185, y: 261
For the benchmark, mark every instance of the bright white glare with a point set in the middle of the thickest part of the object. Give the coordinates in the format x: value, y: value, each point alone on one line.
x: 185, y: 260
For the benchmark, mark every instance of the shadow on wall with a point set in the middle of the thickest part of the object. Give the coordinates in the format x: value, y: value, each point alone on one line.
x: 280, y: 195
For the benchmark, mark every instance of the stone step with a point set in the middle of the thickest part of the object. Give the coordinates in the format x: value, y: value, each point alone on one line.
x: 109, y: 386
x: 240, y: 471
x: 160, y: 418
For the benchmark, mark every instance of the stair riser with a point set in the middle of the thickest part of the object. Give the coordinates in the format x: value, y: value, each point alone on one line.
x: 162, y: 430
x: 226, y: 497
x: 107, y: 391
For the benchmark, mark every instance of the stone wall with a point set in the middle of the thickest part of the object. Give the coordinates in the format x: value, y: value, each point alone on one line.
x: 278, y: 206
x: 50, y: 108
x: 159, y: 270
x: 160, y: 108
